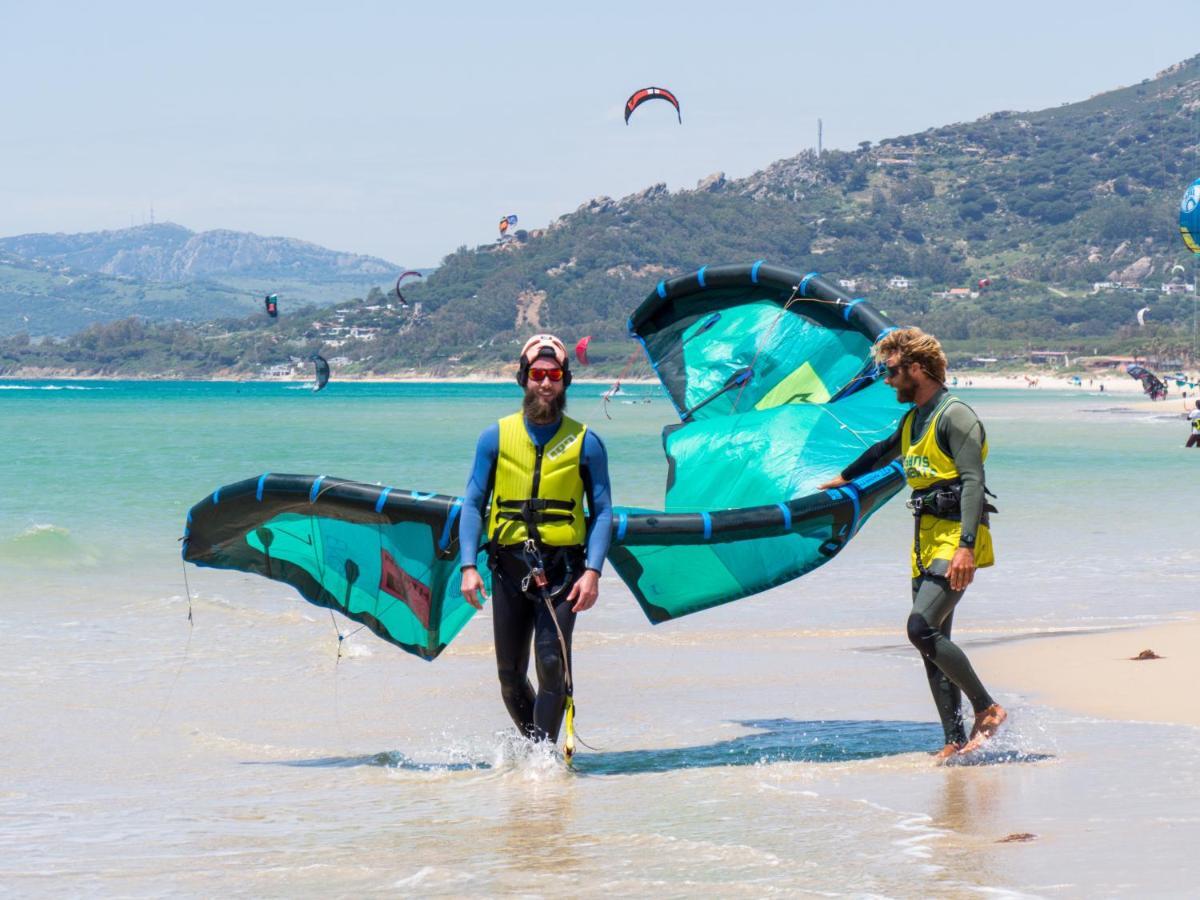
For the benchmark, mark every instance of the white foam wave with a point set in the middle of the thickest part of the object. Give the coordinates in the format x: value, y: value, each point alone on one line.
x: 48, y: 387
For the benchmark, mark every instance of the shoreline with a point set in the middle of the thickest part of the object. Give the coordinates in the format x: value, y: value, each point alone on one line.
x: 1126, y: 388
x: 1095, y: 674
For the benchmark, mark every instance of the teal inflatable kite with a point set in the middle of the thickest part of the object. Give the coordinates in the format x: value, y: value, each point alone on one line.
x: 776, y: 391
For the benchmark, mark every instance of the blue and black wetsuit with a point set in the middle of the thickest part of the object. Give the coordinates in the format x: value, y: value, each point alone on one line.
x: 519, y: 617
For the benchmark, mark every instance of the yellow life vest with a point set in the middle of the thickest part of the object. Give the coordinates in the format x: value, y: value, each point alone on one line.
x: 547, y: 480
x: 925, y: 465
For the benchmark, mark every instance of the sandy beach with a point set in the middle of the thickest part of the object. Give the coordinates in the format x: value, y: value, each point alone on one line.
x: 1096, y: 675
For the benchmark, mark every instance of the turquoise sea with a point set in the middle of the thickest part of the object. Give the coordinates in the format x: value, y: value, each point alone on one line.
x: 774, y: 745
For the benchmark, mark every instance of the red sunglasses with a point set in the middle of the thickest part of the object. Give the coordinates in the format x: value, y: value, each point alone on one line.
x: 543, y: 374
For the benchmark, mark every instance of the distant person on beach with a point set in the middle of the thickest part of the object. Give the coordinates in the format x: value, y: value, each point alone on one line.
x: 1194, y: 421
x: 537, y: 466
x: 943, y: 446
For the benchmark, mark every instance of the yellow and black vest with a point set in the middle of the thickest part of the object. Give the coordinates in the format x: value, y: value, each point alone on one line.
x: 544, y: 483
x: 926, y: 465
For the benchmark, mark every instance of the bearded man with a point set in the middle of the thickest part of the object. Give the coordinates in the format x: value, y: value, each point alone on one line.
x: 537, y: 466
x: 943, y: 446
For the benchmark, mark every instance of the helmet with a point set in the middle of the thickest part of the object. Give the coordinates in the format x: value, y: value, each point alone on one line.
x: 543, y: 346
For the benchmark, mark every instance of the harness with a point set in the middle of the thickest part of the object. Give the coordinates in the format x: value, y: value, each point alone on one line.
x: 942, y: 501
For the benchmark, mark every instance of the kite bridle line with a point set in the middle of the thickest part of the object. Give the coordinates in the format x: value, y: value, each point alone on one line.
x: 762, y: 343
x: 187, y: 648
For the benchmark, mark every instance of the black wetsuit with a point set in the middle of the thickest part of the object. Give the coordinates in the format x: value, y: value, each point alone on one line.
x: 519, y: 616
x: 950, y: 674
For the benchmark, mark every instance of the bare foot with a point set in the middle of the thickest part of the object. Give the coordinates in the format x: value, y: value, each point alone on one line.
x: 946, y: 752
x: 987, y: 723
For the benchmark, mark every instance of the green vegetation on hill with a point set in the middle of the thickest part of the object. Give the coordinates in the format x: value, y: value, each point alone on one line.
x: 1044, y: 204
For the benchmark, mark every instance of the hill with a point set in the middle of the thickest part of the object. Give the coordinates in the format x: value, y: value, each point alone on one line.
x: 994, y: 234
x: 60, y: 283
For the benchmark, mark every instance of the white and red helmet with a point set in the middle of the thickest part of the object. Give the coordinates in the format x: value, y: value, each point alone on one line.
x: 543, y: 346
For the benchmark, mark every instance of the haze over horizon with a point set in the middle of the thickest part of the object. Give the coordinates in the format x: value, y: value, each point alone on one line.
x: 406, y: 134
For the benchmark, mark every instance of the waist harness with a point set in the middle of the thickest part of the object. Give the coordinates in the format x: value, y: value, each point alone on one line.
x: 942, y: 501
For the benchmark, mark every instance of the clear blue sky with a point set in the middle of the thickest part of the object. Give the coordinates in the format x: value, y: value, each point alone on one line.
x: 374, y: 128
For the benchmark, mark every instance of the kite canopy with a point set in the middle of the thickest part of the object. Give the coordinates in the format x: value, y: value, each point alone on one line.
x: 412, y: 273
x: 1189, y: 216
x: 581, y: 350
x: 1152, y: 385
x: 383, y: 557
x: 637, y: 98
x: 322, y: 372
x: 772, y: 376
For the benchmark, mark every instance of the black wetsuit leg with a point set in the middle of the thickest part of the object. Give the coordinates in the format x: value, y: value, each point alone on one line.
x: 947, y: 668
x: 551, y: 699
x: 519, y: 619
x: 512, y: 629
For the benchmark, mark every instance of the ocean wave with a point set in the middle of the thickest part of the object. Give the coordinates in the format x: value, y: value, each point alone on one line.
x: 46, y: 545
x: 48, y: 387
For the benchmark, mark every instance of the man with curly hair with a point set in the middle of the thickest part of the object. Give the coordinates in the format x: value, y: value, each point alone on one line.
x: 943, y: 446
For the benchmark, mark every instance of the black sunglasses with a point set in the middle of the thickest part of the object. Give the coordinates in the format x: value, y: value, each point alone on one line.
x: 893, y: 371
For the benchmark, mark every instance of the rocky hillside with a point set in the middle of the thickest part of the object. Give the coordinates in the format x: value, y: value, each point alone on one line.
x: 58, y: 284
x: 171, y: 253
x: 1050, y: 228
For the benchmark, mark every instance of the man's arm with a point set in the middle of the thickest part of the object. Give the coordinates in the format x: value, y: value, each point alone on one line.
x: 962, y: 434
x: 470, y: 523
x: 599, y: 493
x: 872, y: 458
x: 594, y: 471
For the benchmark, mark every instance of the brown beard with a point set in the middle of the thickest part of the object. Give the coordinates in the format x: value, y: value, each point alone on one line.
x: 540, y: 412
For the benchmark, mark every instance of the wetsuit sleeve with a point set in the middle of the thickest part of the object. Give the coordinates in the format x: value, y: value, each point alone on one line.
x: 961, y: 434
x: 479, y: 485
x: 594, y: 471
x: 875, y: 456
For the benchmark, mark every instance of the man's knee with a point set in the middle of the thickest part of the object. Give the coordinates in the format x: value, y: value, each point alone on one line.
x: 551, y: 671
x: 922, y: 635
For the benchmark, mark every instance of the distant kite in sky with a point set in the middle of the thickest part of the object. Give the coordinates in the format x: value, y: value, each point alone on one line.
x: 410, y: 273
x: 637, y: 98
x: 506, y: 223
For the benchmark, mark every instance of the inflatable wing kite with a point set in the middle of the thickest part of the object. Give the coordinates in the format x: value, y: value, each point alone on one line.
x: 409, y: 274
x: 772, y: 377
x: 637, y: 98
x: 1152, y: 385
x: 382, y: 557
x: 1189, y: 216
x: 321, y: 370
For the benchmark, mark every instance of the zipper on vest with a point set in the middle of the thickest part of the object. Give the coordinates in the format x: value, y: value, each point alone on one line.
x: 537, y: 474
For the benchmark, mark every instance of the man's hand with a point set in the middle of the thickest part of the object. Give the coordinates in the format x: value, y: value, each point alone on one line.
x: 962, y: 569
x: 472, y: 587
x: 585, y: 591
x: 833, y: 483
